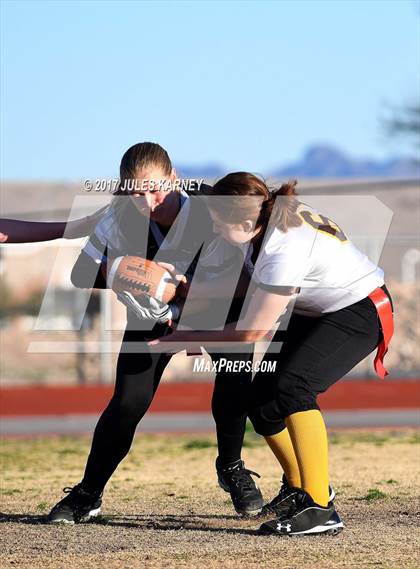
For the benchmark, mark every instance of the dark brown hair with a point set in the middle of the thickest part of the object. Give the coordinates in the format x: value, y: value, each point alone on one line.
x: 140, y: 156
x: 262, y: 209
x: 137, y: 157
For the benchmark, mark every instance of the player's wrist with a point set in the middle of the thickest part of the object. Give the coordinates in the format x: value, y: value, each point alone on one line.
x: 174, y: 311
x: 110, y: 271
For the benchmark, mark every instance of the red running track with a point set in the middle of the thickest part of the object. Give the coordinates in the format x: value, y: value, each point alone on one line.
x: 196, y: 397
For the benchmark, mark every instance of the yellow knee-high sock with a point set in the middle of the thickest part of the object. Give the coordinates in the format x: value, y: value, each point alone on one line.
x: 282, y: 447
x: 309, y: 437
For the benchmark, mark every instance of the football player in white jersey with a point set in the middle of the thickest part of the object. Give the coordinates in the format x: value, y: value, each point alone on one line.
x: 341, y: 311
x: 120, y: 229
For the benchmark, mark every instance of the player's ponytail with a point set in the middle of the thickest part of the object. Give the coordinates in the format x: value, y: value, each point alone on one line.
x: 277, y: 207
x: 282, y: 212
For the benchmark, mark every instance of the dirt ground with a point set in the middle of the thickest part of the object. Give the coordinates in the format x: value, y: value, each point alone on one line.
x: 163, y: 507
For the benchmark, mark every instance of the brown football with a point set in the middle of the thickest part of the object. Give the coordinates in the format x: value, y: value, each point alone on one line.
x: 141, y: 276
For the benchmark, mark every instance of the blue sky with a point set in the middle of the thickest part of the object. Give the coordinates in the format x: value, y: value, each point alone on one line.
x: 248, y: 85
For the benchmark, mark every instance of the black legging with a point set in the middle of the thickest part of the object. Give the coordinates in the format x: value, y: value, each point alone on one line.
x: 230, y: 403
x: 138, y: 376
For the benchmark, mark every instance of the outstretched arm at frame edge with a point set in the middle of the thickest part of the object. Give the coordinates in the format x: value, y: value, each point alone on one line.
x: 19, y: 231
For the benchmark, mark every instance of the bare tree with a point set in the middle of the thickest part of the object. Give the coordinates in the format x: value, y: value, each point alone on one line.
x: 404, y: 122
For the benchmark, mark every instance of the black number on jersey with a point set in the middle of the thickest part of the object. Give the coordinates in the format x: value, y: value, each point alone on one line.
x: 322, y: 223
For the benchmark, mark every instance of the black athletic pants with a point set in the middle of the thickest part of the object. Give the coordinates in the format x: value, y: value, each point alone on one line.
x: 230, y: 404
x: 317, y: 352
x: 138, y: 376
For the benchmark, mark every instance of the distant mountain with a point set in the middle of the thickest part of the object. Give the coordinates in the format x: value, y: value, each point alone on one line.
x: 329, y: 162
x: 323, y: 161
x: 211, y: 170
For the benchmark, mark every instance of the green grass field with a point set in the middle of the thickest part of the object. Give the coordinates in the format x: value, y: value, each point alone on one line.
x: 163, y: 507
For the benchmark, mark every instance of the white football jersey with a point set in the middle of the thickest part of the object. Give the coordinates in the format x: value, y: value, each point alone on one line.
x: 134, y: 234
x: 318, y: 258
x: 107, y: 235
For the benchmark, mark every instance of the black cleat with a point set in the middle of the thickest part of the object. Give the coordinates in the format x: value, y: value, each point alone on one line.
x: 237, y: 480
x: 78, y: 506
x: 305, y: 517
x: 284, y: 499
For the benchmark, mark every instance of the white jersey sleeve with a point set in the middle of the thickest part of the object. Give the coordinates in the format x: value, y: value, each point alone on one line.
x: 105, y: 240
x: 217, y: 259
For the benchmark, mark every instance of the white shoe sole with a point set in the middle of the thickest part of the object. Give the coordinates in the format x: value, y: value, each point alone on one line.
x: 332, y: 529
x: 317, y: 530
x: 92, y: 514
x: 249, y: 514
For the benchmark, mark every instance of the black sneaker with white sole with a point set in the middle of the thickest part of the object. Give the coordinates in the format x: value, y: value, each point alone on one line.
x: 305, y: 517
x: 284, y: 499
x: 237, y: 480
x: 78, y: 506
